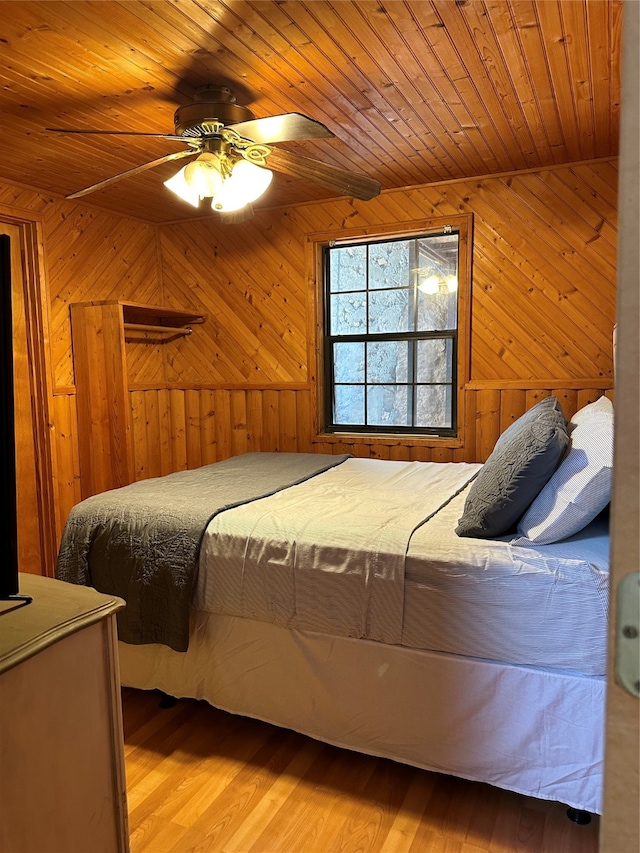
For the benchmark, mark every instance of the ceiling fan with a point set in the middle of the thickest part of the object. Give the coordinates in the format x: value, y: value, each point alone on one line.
x: 234, y: 153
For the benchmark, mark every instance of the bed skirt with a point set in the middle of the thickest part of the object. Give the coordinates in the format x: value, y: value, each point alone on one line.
x: 537, y: 732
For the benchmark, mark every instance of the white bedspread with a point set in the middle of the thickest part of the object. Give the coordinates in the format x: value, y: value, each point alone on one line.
x: 291, y: 559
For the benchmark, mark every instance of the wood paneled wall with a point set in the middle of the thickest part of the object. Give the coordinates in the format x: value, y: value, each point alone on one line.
x: 543, y: 296
x: 543, y: 308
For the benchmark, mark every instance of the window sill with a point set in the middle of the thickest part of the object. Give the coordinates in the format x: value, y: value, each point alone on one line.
x: 391, y: 440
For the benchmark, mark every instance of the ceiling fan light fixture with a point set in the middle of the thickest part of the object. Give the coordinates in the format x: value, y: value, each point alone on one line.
x: 246, y: 184
x: 202, y: 178
x: 221, y: 135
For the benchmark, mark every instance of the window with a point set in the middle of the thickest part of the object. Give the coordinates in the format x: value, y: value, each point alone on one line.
x: 391, y: 353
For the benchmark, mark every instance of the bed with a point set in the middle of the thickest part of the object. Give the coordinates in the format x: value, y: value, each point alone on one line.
x: 371, y: 604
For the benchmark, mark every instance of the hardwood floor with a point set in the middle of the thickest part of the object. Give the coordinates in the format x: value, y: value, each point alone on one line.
x: 203, y: 781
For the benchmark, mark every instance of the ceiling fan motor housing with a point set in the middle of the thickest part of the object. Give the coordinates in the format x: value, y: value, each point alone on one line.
x: 213, y: 105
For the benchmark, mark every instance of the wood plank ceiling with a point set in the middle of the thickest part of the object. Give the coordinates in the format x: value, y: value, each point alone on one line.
x: 415, y: 91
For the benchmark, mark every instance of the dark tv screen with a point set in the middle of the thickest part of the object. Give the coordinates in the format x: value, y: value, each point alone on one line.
x: 9, y: 580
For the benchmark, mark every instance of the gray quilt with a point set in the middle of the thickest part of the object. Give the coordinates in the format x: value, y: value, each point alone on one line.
x: 142, y: 541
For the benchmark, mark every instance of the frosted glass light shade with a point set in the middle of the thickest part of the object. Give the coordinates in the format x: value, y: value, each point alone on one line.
x: 204, y: 175
x: 202, y: 178
x: 178, y: 185
x: 208, y: 177
x: 246, y: 184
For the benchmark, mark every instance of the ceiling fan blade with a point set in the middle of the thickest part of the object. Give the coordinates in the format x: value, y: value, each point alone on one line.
x: 117, y: 133
x: 130, y: 172
x: 347, y: 183
x: 283, y: 128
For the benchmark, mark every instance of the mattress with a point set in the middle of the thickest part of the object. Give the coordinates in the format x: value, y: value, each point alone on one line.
x: 388, y: 528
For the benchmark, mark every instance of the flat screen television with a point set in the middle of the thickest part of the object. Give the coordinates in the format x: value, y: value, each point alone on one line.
x: 9, y: 577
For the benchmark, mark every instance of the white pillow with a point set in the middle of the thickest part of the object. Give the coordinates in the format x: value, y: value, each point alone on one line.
x: 580, y: 488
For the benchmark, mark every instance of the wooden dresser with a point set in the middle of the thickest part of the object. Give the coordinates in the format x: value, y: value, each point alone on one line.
x: 62, y: 779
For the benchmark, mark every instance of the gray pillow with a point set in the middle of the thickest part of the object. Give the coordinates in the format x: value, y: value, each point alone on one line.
x: 521, y: 463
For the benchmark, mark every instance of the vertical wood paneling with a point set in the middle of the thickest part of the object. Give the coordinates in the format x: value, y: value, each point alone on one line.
x: 270, y: 420
x: 141, y: 437
x: 254, y: 420
x: 223, y: 423
x: 287, y: 438
x: 238, y: 413
x: 304, y: 421
x: 165, y: 431
x: 66, y: 450
x: 154, y: 439
x: 193, y: 431
x: 487, y: 422
x: 512, y: 405
x: 400, y: 452
x: 106, y: 455
x: 208, y: 427
x: 177, y: 426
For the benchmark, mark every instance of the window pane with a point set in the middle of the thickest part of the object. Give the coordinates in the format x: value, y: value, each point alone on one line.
x: 437, y: 282
x: 387, y: 361
x: 437, y: 311
x: 348, y: 314
x: 348, y: 268
x: 390, y: 311
x: 433, y: 406
x: 387, y: 405
x: 348, y: 362
x: 435, y: 360
x: 349, y: 404
x: 389, y: 264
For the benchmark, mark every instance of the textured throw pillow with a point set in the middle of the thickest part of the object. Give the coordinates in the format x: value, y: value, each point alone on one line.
x: 522, y: 461
x: 581, y: 487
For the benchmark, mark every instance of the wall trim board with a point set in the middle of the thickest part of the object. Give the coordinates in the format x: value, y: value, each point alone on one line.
x: 14, y: 215
x: 38, y: 360
x: 539, y: 384
x: 220, y: 386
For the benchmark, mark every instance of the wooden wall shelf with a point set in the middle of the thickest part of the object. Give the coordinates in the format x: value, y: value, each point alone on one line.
x: 99, y: 331
x: 161, y: 319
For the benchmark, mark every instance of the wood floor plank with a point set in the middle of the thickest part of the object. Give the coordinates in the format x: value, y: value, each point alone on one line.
x: 284, y: 796
x: 204, y: 781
